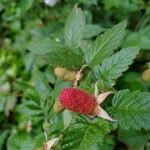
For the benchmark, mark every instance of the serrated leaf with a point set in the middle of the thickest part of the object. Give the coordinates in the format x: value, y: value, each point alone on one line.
x: 30, y: 108
x: 64, y: 57
x: 113, y: 67
x: 74, y: 27
x: 91, y: 30
x: 132, y: 109
x: 106, y: 43
x: 55, y: 54
x: 42, y: 46
x: 84, y: 133
x: 134, y: 138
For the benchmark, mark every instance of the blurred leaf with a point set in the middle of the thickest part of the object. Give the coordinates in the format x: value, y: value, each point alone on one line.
x: 140, y: 38
x: 55, y: 54
x: 20, y: 141
x: 106, y: 43
x: 87, y: 2
x: 10, y: 105
x: 67, y: 117
x: 131, y: 80
x: 2, y: 103
x: 123, y: 6
x: 41, y: 46
x: 131, y: 109
x: 134, y: 138
x: 41, y: 84
x: 64, y: 57
x: 30, y: 108
x: 108, y: 143
x: 74, y: 28
x: 116, y: 3
x: 85, y: 46
x: 91, y: 30
x: 50, y: 74
x: 39, y: 140
x: 112, y: 67
x: 3, y: 136
x: 145, y: 31
x: 25, y: 5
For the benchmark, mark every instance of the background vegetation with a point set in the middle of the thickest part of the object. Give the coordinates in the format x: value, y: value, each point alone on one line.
x: 35, y: 38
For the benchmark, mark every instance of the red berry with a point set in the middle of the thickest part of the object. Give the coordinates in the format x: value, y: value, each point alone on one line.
x: 77, y: 100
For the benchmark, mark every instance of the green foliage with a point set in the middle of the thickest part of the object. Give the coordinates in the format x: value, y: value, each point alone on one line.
x: 74, y: 28
x: 84, y: 133
x: 106, y: 43
x: 41, y: 84
x: 129, y: 5
x: 108, y: 143
x: 136, y: 139
x: 56, y: 54
x: 61, y: 57
x: 140, y: 38
x: 42, y: 46
x: 91, y: 2
x: 113, y: 67
x: 36, y: 38
x: 91, y: 30
x: 131, y: 109
x: 131, y: 80
x: 2, y: 138
x: 26, y: 5
x: 20, y: 141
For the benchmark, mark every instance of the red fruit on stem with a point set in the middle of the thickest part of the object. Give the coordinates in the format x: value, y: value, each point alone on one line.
x: 78, y: 101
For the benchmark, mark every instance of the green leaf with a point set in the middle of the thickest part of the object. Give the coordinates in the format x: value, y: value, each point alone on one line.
x: 87, y: 2
x: 41, y: 84
x: 106, y: 43
x: 131, y: 109
x: 20, y: 141
x: 112, y: 67
x: 55, y: 54
x: 109, y: 143
x: 91, y: 30
x: 64, y: 57
x: 10, y: 104
x: 25, y: 5
x: 130, y: 80
x: 74, y: 28
x: 84, y: 133
x: 30, y: 108
x: 67, y: 117
x: 42, y: 46
x: 39, y: 140
x: 134, y: 138
x: 140, y: 38
x: 3, y: 136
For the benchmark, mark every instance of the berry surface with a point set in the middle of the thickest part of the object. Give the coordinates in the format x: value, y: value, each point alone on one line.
x: 77, y: 100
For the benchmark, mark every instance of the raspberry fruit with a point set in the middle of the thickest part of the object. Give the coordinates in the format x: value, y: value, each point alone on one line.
x: 82, y: 102
x: 78, y: 101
